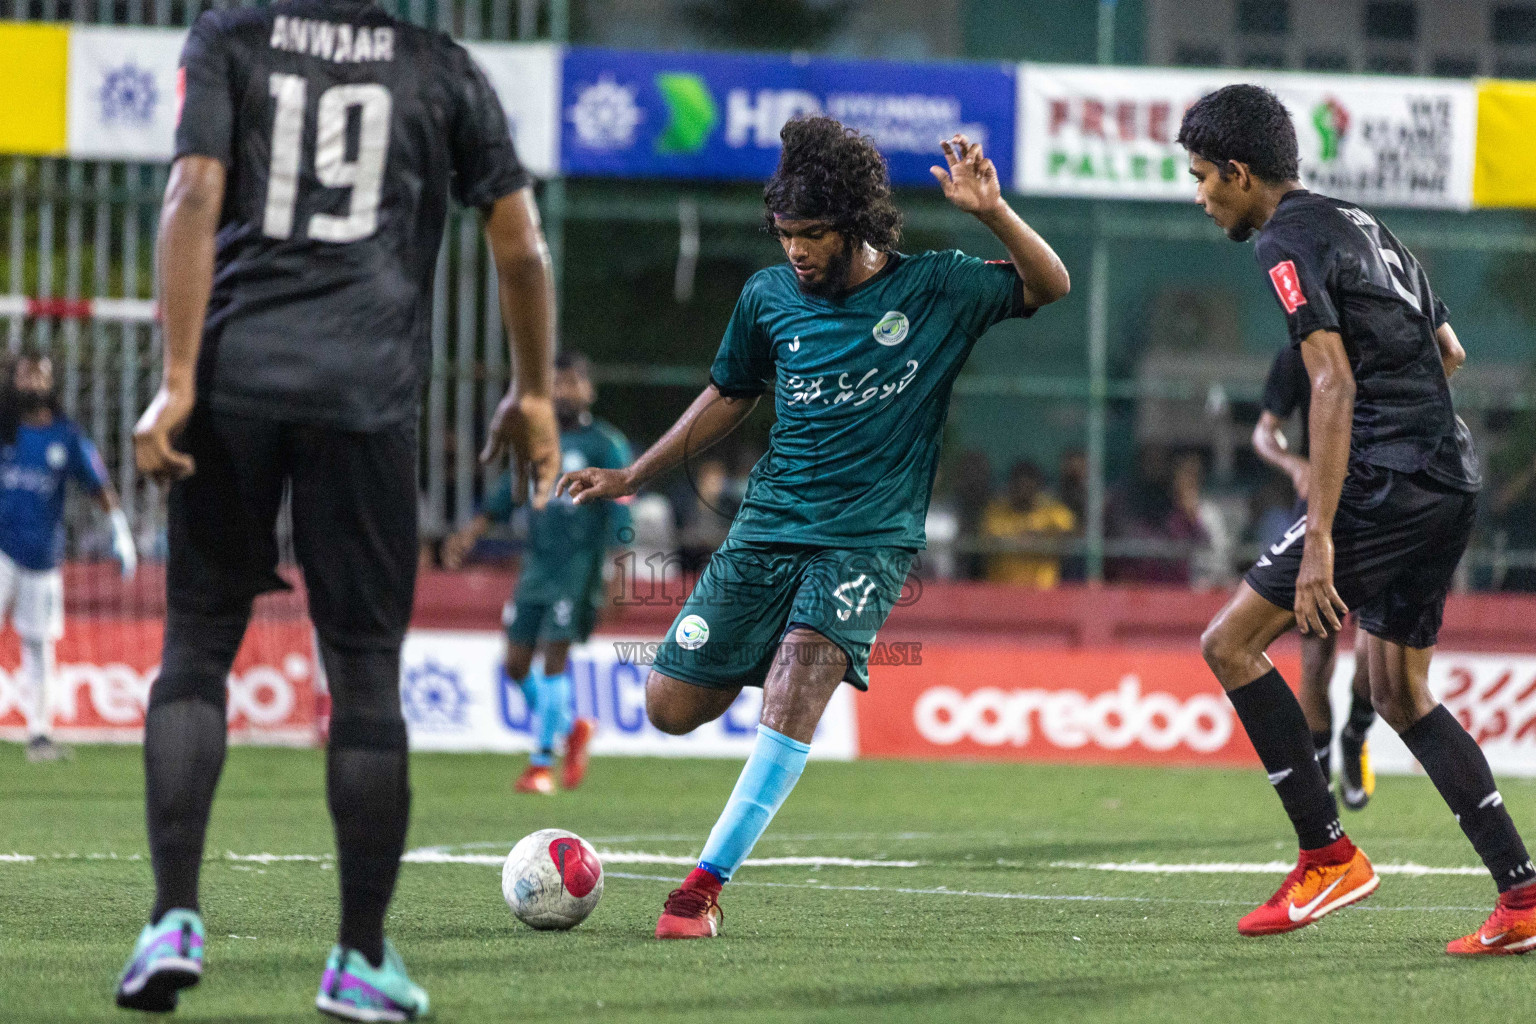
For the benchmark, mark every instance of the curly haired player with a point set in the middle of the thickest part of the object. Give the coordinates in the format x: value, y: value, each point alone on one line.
x: 1392, y: 483
x: 861, y: 344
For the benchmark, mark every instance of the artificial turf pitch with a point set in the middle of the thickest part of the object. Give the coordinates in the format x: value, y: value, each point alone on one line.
x: 983, y: 928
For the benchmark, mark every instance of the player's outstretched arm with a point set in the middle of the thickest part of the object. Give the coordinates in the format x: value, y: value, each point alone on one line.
x: 123, y: 548
x: 189, y: 220
x: 524, y: 421
x: 971, y: 183
x: 1319, y: 609
x: 708, y: 419
x: 1269, y: 444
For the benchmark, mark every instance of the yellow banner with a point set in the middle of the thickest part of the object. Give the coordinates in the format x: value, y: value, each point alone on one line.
x: 1506, y: 144
x: 34, y: 64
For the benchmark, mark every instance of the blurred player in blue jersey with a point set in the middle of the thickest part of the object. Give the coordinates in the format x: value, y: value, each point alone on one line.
x: 41, y: 451
x: 562, y: 582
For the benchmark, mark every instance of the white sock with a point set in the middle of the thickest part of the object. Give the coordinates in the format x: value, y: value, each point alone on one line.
x: 37, y: 680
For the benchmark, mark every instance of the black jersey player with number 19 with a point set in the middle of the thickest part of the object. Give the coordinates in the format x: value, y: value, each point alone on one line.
x: 317, y: 144
x: 1391, y: 488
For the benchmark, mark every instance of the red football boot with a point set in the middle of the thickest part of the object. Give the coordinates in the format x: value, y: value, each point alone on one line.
x: 535, y: 779
x: 1322, y: 881
x: 575, y: 768
x: 692, y: 912
x: 1509, y: 931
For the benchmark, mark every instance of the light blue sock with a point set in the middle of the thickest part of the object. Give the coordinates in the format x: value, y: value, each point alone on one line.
x: 533, y: 693
x: 770, y: 773
x: 554, y: 714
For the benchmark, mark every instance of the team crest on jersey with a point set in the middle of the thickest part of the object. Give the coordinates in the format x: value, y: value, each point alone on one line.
x: 56, y: 455
x: 692, y: 633
x: 892, y: 328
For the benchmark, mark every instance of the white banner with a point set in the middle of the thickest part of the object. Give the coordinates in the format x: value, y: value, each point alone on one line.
x: 122, y: 92
x: 456, y: 696
x: 1109, y: 133
x: 1493, y: 695
x: 526, y: 77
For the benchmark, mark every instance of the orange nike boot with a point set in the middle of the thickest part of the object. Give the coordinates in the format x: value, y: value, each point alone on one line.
x: 1509, y: 931
x: 1322, y: 881
x: 536, y: 778
x: 575, y: 767
x: 693, y: 911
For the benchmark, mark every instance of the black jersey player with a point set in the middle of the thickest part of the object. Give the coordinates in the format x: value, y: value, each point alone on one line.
x: 317, y: 145
x: 1392, y: 482
x: 1288, y: 389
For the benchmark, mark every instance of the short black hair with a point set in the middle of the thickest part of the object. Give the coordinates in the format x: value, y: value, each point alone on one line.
x: 566, y: 359
x: 830, y: 172
x: 1246, y: 123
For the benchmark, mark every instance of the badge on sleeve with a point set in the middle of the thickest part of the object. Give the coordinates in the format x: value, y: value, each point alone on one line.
x: 1287, y: 285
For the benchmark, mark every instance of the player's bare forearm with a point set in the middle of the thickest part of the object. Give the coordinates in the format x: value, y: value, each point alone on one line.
x: 526, y: 289
x: 1319, y: 608
x: 189, y: 222
x: 1452, y: 355
x: 1269, y: 444
x: 711, y: 417
x: 1045, y: 277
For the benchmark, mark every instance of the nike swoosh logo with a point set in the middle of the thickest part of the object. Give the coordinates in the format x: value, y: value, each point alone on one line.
x: 1263, y: 561
x: 1302, y: 913
x: 1275, y: 778
x: 1485, y: 940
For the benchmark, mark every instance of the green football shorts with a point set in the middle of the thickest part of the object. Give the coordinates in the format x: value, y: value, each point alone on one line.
x: 752, y: 593
x: 568, y: 620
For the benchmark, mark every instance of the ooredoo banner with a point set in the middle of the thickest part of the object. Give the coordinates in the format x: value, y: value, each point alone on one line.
x: 1110, y: 133
x: 105, y: 669
x: 1008, y: 703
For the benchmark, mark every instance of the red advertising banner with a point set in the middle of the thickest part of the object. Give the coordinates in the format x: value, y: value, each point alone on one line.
x: 1103, y: 705
x: 105, y: 668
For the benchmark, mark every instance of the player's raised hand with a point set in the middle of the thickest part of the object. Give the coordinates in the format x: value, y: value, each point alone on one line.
x: 970, y: 182
x: 593, y: 484
x: 1320, y: 611
x: 154, y: 447
x: 525, y: 426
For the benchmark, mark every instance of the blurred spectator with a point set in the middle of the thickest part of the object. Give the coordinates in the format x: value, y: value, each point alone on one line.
x: 1271, y: 510
x: 703, y: 506
x: 1023, y: 514
x: 1138, y: 512
x: 1198, y: 519
x: 1072, y: 488
x: 972, y: 489
x: 1514, y: 524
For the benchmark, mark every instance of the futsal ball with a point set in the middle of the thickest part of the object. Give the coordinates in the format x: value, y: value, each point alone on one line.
x: 552, y: 879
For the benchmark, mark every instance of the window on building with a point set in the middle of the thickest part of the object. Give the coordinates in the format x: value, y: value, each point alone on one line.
x: 1263, y: 17
x: 1454, y: 65
x: 1263, y: 59
x: 1389, y: 63
x: 1396, y: 21
x: 1326, y: 60
x: 1513, y: 25
x: 1197, y: 55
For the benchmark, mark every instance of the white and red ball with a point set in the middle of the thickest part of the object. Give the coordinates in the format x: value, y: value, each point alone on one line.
x: 552, y: 879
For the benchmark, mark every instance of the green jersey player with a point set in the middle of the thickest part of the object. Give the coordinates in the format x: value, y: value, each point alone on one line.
x: 861, y: 345
x: 561, y: 585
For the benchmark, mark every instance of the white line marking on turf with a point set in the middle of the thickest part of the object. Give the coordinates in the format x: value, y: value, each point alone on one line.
x: 1272, y: 867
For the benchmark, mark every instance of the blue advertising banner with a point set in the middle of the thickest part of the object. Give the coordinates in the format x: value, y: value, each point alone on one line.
x: 717, y: 116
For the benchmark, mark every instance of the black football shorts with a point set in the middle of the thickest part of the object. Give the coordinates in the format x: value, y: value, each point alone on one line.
x: 1397, y: 540
x: 354, y: 522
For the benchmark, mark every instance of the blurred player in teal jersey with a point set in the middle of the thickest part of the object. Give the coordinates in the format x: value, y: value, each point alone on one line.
x: 861, y: 345
x: 562, y: 582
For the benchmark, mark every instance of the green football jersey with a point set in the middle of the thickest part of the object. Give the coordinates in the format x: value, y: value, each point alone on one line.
x: 862, y: 386
x: 566, y: 542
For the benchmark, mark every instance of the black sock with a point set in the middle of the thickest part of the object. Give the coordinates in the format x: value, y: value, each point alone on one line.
x: 183, y: 756
x: 1457, y: 767
x: 1278, y: 730
x: 1361, y: 717
x: 367, y: 787
x: 1322, y: 747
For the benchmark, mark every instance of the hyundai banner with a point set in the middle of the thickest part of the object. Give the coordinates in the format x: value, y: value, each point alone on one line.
x: 718, y: 116
x: 1110, y: 133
